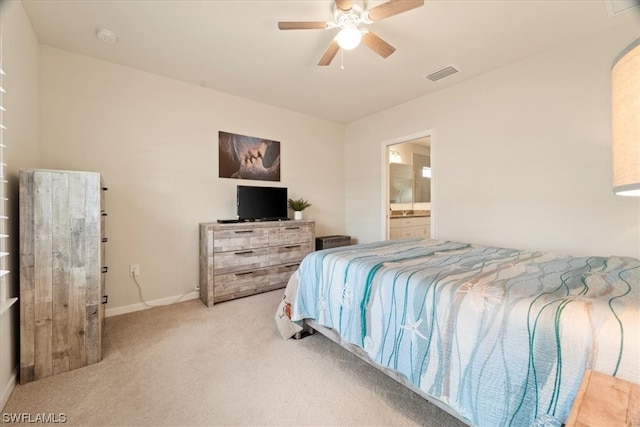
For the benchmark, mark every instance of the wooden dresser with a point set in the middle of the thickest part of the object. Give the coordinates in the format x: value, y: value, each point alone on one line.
x: 247, y: 258
x: 62, y: 270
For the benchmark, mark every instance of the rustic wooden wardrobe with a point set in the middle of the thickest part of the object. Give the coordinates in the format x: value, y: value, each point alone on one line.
x: 62, y: 271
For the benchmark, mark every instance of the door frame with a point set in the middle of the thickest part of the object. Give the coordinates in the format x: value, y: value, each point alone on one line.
x: 384, y: 185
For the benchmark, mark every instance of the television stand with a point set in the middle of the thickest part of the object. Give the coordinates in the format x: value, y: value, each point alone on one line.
x: 246, y: 258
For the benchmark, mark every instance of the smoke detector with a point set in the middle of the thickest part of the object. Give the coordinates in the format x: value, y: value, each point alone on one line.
x: 106, y: 36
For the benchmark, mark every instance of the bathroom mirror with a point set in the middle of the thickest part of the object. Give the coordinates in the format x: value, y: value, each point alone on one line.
x: 400, y: 183
x: 422, y: 178
x: 410, y: 183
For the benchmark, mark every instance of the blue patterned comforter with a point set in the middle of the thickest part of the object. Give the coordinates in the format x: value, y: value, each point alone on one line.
x: 501, y: 336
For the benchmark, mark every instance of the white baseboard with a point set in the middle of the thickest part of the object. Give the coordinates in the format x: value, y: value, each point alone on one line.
x: 115, y: 311
x: 8, y: 388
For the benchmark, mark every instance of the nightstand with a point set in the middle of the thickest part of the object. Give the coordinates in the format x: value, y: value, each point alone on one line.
x: 603, y: 400
x: 327, y: 242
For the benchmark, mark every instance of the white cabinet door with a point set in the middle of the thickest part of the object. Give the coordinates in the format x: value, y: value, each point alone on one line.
x: 402, y: 228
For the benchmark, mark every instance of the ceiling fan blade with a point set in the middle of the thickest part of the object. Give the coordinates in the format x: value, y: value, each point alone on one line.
x: 344, y: 5
x: 330, y: 53
x: 377, y: 45
x: 393, y: 7
x: 302, y: 25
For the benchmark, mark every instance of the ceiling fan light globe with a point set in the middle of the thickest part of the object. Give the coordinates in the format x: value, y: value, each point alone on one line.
x: 349, y: 38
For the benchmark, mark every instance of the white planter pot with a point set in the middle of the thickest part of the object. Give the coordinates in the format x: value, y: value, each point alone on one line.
x: 297, y: 215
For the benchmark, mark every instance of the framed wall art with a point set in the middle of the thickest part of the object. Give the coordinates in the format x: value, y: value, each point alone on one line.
x: 247, y: 157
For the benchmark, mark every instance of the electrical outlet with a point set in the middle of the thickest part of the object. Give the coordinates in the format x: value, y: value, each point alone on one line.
x: 134, y: 270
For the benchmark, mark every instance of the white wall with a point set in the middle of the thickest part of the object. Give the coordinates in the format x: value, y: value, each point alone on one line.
x: 155, y: 141
x: 20, y: 62
x: 521, y: 156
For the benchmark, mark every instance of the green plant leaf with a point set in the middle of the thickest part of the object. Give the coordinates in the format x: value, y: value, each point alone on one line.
x: 298, y: 204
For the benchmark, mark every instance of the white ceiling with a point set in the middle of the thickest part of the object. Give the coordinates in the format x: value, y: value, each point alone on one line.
x: 236, y: 47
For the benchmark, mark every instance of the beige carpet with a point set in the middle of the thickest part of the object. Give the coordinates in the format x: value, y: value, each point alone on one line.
x: 187, y: 365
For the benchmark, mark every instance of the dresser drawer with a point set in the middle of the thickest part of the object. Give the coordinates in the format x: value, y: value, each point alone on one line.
x: 240, y: 239
x: 279, y: 275
x: 289, y: 253
x: 287, y: 234
x: 226, y: 262
x: 234, y: 285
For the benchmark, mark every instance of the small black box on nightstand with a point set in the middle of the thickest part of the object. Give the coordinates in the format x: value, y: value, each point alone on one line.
x: 326, y: 242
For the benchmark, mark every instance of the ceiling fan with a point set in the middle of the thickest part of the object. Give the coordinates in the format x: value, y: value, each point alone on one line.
x: 348, y: 17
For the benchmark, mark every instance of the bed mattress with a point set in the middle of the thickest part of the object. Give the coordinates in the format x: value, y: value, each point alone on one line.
x: 501, y: 336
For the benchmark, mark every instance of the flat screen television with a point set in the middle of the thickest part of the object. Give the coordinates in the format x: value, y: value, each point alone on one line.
x: 261, y: 203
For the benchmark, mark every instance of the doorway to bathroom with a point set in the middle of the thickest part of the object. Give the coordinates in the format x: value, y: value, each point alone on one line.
x: 408, y: 184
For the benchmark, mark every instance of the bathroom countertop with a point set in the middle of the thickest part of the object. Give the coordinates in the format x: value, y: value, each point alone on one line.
x: 421, y: 214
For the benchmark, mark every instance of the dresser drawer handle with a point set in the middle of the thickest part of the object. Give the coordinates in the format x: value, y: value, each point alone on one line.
x: 244, y: 274
x: 292, y: 265
x: 292, y: 228
x: 292, y: 246
x: 243, y: 252
x: 243, y: 231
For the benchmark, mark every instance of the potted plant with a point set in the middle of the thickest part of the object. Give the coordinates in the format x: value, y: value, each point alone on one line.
x: 297, y: 206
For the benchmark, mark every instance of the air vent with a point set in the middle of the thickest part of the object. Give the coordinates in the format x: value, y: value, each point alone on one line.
x: 441, y: 74
x: 615, y: 7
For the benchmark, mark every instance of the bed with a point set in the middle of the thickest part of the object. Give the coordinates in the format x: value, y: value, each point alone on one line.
x: 495, y: 336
